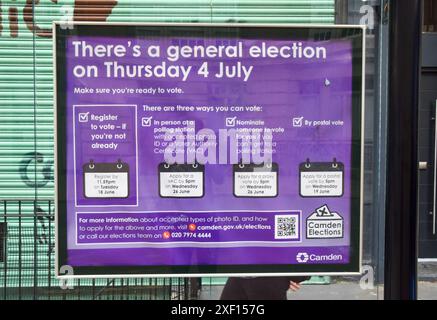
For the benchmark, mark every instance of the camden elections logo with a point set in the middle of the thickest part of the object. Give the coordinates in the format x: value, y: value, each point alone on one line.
x: 324, y: 224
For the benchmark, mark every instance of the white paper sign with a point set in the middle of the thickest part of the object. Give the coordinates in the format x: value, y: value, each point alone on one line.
x: 256, y: 184
x: 321, y: 184
x: 106, y: 185
x: 181, y: 184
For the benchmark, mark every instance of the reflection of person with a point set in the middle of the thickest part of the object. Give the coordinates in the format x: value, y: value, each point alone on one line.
x: 260, y: 288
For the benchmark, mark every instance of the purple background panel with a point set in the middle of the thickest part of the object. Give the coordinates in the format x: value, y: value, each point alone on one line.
x: 206, y: 256
x: 284, y: 88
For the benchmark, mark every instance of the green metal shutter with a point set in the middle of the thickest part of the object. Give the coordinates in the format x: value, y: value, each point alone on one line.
x: 26, y: 81
x: 26, y: 67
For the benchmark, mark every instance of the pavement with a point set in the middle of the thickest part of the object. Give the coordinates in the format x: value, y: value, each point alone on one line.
x: 348, y: 288
x: 427, y: 290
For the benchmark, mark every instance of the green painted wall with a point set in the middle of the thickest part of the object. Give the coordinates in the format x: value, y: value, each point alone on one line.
x: 26, y: 93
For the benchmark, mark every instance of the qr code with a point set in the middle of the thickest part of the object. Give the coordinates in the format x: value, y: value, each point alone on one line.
x: 287, y: 227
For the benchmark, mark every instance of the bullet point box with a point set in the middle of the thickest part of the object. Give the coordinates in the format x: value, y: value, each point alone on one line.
x: 146, y: 121
x: 83, y: 117
x: 297, y: 122
x: 230, y: 122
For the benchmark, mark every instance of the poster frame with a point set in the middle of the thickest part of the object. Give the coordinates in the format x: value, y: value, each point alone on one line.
x: 351, y: 269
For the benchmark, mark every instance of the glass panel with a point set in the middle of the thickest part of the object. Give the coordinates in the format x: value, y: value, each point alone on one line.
x: 19, y: 161
x: 26, y: 133
x: 370, y: 285
x: 427, y: 264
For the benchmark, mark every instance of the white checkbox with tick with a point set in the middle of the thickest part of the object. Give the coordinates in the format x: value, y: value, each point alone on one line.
x: 146, y: 121
x: 298, y: 122
x: 230, y: 122
x: 83, y: 116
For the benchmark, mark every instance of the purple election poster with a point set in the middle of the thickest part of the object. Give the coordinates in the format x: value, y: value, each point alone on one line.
x: 211, y: 152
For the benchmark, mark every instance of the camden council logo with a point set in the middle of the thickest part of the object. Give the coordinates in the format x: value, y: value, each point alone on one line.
x: 302, y: 257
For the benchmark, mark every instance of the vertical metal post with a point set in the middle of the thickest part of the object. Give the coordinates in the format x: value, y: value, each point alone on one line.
x: 341, y: 12
x: 20, y: 249
x: 380, y: 140
x: 402, y: 160
x: 5, y: 264
x: 49, y: 253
